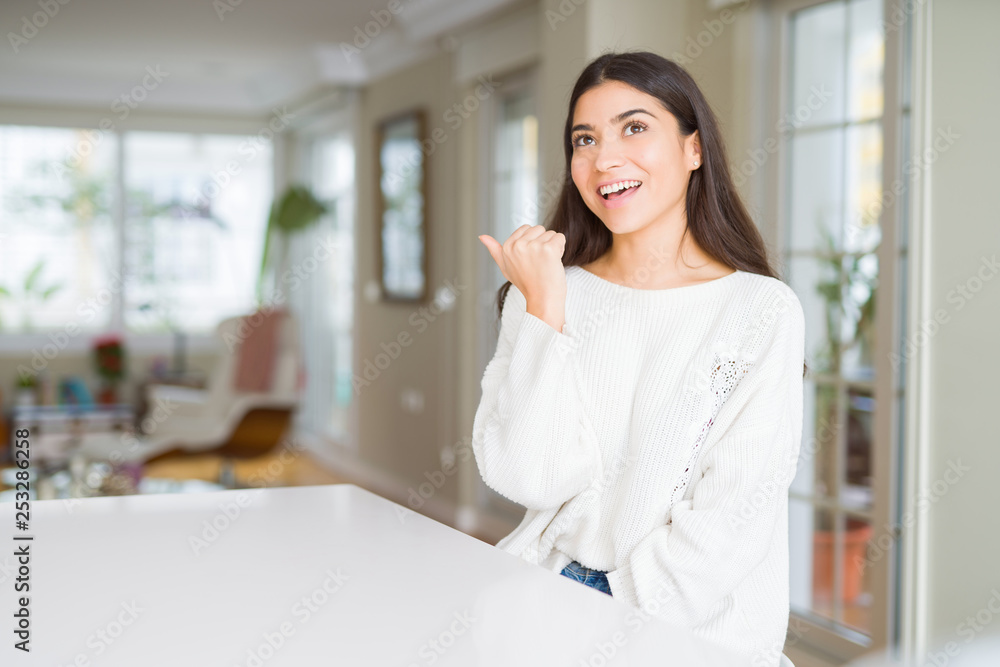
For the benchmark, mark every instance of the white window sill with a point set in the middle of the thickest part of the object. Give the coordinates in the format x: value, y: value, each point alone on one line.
x: 51, y: 344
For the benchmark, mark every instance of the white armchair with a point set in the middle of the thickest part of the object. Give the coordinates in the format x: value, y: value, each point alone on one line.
x: 221, y: 418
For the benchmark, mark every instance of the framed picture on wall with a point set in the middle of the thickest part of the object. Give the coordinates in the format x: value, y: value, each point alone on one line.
x: 401, y: 207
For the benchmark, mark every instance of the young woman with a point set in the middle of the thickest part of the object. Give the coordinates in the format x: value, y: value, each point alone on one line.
x: 645, y: 399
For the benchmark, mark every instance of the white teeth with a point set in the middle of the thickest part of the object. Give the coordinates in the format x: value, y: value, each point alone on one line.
x: 621, y: 185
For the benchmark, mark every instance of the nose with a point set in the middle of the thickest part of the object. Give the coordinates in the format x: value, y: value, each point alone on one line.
x: 609, y: 156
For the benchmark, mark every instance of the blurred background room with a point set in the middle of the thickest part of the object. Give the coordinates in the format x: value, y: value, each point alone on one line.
x: 238, y: 248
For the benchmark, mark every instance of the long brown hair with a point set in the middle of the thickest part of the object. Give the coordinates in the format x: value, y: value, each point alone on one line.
x: 716, y: 217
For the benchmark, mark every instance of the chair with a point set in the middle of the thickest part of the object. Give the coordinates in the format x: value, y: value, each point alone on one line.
x: 224, y: 418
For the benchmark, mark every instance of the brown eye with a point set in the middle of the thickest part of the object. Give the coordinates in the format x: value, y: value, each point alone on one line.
x: 638, y: 125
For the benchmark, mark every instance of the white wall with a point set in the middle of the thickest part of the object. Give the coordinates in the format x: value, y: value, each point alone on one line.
x: 963, y: 389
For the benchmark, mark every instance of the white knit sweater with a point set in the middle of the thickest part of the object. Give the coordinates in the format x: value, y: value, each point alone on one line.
x: 655, y: 438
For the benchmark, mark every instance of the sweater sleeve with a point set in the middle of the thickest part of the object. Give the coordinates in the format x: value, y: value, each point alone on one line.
x: 531, y: 439
x: 713, y: 540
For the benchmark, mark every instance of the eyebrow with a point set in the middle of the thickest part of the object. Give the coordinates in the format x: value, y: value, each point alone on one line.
x: 617, y: 119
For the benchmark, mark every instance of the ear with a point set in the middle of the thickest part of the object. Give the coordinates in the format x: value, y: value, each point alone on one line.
x: 694, y: 146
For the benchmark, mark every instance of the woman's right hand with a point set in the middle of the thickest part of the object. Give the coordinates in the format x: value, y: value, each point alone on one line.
x: 531, y: 259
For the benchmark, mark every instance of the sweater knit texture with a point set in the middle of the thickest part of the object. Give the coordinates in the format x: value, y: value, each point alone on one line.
x: 655, y: 438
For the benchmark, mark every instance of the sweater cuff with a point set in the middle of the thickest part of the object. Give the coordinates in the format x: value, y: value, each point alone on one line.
x: 621, y: 585
x: 563, y: 343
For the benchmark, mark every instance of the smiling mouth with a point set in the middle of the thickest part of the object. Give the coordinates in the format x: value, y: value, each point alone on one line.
x: 620, y: 193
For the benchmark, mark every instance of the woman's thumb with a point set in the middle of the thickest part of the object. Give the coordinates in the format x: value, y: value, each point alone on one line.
x: 491, y: 245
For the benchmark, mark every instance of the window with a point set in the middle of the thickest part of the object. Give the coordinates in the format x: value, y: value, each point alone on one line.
x: 57, y: 229
x: 510, y: 199
x: 196, y: 210
x: 180, y: 251
x: 321, y: 295
x: 834, y: 188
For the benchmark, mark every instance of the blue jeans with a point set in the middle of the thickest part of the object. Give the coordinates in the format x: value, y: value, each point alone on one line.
x: 588, y: 577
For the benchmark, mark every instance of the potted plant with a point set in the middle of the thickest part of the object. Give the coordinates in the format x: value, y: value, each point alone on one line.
x: 297, y: 209
x: 26, y: 386
x: 109, y: 360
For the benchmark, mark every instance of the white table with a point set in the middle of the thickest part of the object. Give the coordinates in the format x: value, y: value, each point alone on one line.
x: 321, y: 575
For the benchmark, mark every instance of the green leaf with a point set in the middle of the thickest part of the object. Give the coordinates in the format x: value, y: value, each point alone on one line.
x: 29, y: 281
x: 50, y: 291
x: 295, y: 210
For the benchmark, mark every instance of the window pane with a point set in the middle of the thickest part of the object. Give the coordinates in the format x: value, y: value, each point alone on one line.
x: 864, y: 187
x: 818, y: 585
x: 856, y: 488
x: 197, y: 208
x: 816, y: 282
x: 402, y: 162
x: 333, y: 179
x: 816, y: 195
x: 856, y: 595
x: 857, y: 330
x: 818, y: 62
x: 811, y: 559
x: 57, y: 241
x: 516, y: 166
x: 866, y: 60
x: 817, y: 464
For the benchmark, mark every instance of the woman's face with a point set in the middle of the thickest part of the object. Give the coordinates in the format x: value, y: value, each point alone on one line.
x: 643, y: 146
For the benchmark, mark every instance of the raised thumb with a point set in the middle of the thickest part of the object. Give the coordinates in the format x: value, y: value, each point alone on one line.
x: 493, y: 247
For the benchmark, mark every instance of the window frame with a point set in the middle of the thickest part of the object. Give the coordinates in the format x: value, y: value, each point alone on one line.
x: 887, y: 615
